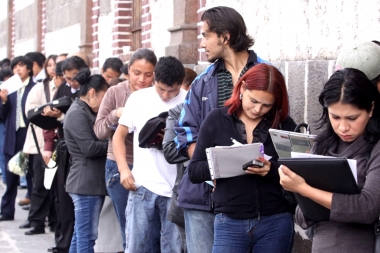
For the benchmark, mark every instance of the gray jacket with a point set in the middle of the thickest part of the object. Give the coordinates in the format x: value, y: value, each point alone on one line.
x: 88, y: 153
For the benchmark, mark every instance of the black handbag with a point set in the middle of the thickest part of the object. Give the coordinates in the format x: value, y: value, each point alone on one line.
x: 35, y: 115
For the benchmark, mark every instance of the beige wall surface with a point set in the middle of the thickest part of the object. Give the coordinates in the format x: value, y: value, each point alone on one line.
x: 162, y: 19
x: 305, y: 30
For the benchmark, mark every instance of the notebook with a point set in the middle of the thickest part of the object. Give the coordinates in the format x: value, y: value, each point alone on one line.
x: 332, y: 175
x: 227, y: 161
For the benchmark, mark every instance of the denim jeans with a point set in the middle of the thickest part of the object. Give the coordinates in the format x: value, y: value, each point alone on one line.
x: 146, y: 218
x: 117, y: 193
x: 87, y: 211
x: 199, y: 227
x: 267, y: 234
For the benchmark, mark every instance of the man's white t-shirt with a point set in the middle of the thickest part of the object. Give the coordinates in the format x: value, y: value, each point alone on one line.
x: 150, y: 168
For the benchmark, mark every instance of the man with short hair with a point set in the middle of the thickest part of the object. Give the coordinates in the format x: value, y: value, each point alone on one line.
x: 152, y: 179
x: 226, y: 43
x: 38, y: 65
x: 111, y: 68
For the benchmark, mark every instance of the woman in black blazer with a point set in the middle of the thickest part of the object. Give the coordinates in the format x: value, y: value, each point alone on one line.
x: 85, y: 182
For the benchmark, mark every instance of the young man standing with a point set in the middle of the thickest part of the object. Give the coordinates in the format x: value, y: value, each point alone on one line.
x: 152, y: 179
x: 226, y: 43
x: 111, y: 68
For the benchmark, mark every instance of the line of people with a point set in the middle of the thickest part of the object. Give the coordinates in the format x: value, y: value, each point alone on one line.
x: 158, y: 185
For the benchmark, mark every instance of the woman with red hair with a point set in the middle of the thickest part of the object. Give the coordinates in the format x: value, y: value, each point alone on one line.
x: 252, y: 214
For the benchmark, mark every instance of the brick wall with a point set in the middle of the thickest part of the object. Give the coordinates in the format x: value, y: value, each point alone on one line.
x: 95, y: 29
x: 121, y: 31
x: 146, y: 24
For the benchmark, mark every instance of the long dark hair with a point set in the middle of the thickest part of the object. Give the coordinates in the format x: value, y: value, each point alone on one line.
x: 348, y: 86
x: 47, y: 78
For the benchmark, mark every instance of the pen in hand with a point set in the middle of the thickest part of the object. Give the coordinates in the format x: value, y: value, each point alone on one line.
x: 262, y: 152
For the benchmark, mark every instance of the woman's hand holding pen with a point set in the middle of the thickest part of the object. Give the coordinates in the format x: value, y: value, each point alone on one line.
x: 261, y: 171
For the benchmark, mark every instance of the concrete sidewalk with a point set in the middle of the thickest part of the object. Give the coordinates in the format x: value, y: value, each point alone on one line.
x: 13, y: 239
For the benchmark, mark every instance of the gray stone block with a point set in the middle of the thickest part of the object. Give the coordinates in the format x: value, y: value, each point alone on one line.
x: 317, y: 75
x: 62, y: 13
x: 296, y: 90
x: 105, y: 6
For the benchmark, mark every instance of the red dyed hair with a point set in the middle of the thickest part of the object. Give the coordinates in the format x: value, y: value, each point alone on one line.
x: 267, y: 78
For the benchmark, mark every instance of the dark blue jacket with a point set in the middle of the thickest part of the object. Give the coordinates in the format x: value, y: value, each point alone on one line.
x: 8, y: 113
x: 200, y: 100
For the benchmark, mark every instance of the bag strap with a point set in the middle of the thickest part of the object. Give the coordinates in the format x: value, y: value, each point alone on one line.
x: 47, y: 91
x: 306, y: 126
x: 38, y: 149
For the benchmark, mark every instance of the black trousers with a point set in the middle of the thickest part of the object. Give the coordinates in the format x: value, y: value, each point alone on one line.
x: 65, y: 206
x: 12, y: 180
x: 40, y: 197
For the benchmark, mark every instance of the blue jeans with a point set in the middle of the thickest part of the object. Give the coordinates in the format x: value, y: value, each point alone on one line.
x: 199, y: 227
x: 268, y: 234
x: 146, y: 217
x: 87, y: 211
x: 117, y: 193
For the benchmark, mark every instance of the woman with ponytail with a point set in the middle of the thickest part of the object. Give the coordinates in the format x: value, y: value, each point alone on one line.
x: 85, y: 182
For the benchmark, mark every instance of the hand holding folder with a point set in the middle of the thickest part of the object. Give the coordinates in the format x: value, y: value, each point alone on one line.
x: 332, y: 175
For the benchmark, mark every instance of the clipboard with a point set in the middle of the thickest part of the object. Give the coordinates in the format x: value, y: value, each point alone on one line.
x: 332, y: 175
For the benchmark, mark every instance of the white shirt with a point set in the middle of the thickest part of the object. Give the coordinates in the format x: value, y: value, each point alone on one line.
x: 40, y: 76
x: 150, y: 168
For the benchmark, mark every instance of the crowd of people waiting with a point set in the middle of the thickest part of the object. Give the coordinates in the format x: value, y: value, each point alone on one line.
x: 111, y: 143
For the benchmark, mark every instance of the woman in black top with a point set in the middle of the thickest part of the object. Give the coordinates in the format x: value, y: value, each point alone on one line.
x: 252, y: 213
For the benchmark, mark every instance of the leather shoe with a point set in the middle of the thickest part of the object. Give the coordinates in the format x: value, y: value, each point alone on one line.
x: 35, y: 231
x: 5, y: 218
x: 24, y: 202
x: 26, y: 224
x: 52, y: 249
x: 26, y: 208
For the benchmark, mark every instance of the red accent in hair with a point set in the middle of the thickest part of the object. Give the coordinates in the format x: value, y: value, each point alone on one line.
x: 267, y: 78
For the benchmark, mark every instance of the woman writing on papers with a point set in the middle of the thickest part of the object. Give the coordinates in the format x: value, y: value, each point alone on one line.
x: 350, y: 118
x: 252, y: 213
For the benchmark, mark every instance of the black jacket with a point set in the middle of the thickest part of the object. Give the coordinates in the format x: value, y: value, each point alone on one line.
x: 246, y: 196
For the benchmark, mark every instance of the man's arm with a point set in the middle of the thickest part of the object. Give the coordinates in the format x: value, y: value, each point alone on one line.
x: 188, y: 124
x: 119, y: 151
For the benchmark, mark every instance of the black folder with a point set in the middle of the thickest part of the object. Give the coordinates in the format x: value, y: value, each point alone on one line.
x: 328, y: 174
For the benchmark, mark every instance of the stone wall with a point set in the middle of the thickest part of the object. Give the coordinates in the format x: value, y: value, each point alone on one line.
x: 62, y: 13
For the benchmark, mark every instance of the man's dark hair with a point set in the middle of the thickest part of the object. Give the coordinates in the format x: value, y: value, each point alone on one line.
x: 5, y: 63
x: 73, y: 62
x: 37, y: 57
x: 5, y: 72
x: 169, y: 70
x: 58, y: 68
x: 124, y: 69
x: 113, y: 63
x: 222, y: 20
x: 23, y: 60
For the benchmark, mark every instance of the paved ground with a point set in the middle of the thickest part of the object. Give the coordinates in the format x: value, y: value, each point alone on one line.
x: 13, y: 240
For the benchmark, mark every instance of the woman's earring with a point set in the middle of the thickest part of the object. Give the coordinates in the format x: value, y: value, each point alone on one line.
x: 241, y: 96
